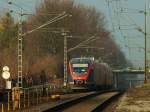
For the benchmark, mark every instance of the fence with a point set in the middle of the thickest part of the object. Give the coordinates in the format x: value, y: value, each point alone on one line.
x: 18, y: 99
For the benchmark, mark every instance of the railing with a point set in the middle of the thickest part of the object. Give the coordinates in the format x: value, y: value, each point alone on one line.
x: 24, y: 98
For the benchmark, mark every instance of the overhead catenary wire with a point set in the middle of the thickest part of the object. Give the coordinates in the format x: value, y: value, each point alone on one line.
x: 59, y: 17
x: 118, y: 7
x: 82, y: 43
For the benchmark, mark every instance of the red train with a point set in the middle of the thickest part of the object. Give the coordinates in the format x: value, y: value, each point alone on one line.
x: 88, y: 71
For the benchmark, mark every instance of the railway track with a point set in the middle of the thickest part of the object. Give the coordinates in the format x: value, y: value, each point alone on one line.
x: 53, y: 102
x: 106, y: 102
x: 88, y: 103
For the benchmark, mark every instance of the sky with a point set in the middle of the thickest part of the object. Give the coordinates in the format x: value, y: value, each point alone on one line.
x: 123, y: 19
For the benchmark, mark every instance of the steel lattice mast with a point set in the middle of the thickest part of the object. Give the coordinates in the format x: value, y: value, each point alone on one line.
x: 64, y: 34
x: 20, y: 51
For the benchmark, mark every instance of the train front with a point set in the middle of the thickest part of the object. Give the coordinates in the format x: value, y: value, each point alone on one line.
x: 80, y: 69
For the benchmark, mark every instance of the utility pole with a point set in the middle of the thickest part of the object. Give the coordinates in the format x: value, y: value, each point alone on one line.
x: 19, y: 84
x: 145, y: 34
x: 64, y: 34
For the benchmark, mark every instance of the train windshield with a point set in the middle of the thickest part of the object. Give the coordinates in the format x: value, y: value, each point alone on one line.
x: 80, y: 66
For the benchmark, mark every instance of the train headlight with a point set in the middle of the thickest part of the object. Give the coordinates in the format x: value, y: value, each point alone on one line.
x: 83, y: 70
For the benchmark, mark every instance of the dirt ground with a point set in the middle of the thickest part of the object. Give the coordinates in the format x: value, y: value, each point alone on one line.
x: 134, y: 100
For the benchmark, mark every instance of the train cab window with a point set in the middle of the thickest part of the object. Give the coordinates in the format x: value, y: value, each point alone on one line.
x: 80, y: 70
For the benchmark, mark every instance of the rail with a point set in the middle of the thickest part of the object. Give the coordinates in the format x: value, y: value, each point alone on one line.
x: 106, y: 103
x: 72, y: 102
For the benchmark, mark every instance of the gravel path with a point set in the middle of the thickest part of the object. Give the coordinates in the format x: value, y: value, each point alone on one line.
x: 134, y: 100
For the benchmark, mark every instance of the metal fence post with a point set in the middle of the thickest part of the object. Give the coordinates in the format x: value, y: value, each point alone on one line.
x: 33, y: 96
x: 18, y: 93
x: 8, y: 108
x: 47, y: 93
x: 37, y: 95
x: 24, y: 98
x: 28, y: 98
x: 2, y: 107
